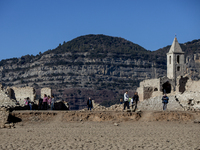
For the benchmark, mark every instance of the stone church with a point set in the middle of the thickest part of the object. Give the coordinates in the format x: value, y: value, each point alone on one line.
x: 176, y: 69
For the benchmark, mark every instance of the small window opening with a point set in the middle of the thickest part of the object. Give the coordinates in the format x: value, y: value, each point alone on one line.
x: 178, y: 59
x: 178, y: 68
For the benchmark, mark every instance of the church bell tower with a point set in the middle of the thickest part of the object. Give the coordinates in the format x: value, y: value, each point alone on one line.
x: 175, y: 61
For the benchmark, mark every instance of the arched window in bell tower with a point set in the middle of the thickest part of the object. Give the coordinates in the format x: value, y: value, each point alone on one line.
x: 178, y: 59
x: 170, y: 59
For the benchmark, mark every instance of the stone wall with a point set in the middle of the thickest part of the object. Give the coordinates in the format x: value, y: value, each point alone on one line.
x: 147, y: 87
x: 140, y: 91
x: 155, y: 83
x: 189, y: 100
x: 21, y: 93
x: 5, y: 100
x: 192, y: 85
x: 148, y: 92
x: 4, y: 113
x: 46, y: 91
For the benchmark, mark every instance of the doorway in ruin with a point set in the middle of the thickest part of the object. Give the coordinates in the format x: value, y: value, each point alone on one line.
x: 12, y: 94
x: 166, y: 88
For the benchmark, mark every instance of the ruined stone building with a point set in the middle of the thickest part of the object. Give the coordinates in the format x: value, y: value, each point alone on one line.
x: 20, y: 93
x: 176, y: 69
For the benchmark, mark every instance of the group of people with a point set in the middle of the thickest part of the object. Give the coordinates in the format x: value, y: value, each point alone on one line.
x: 47, y: 102
x: 134, y: 100
x: 43, y: 104
x: 130, y: 101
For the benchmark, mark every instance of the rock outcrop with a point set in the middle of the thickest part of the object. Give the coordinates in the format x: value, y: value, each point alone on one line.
x: 189, y: 100
x: 4, y: 115
x: 5, y: 100
x: 155, y: 104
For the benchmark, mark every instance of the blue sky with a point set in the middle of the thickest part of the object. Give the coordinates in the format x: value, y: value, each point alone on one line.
x: 33, y: 26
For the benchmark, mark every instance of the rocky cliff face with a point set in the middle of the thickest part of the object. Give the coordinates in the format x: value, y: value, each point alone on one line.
x: 109, y: 73
x: 81, y: 72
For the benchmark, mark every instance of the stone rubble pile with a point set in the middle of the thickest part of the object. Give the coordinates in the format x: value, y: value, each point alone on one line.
x: 5, y: 100
x: 155, y: 104
x: 116, y: 107
x: 4, y: 114
x: 98, y: 107
x: 189, y: 100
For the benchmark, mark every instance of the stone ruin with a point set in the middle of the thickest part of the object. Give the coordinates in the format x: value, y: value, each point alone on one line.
x: 12, y: 96
x: 151, y: 87
x: 190, y: 98
x: 178, y: 85
x: 5, y: 100
x: 184, y: 96
x: 20, y: 93
x: 46, y: 91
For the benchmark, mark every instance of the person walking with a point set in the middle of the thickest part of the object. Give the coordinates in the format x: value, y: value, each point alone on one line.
x: 135, y: 100
x: 126, y: 102
x: 45, y: 99
x: 52, y: 102
x: 132, y: 102
x: 89, y: 104
x: 49, y: 102
x: 40, y: 104
x: 165, y: 100
x: 29, y: 103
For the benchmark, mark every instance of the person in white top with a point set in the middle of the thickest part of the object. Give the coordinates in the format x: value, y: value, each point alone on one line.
x: 126, y: 102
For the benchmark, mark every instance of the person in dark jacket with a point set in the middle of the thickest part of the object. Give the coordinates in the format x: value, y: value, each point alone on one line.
x: 165, y: 101
x: 40, y: 104
x: 89, y: 104
x: 135, y: 100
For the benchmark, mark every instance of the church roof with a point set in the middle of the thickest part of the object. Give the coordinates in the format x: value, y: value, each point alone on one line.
x: 175, y: 47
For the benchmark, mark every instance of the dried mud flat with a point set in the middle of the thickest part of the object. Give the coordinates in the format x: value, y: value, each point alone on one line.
x: 102, y: 131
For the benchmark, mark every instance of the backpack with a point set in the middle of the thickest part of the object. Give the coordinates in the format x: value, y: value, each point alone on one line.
x: 26, y: 102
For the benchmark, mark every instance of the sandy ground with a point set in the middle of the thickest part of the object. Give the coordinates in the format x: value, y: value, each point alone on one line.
x: 58, y: 134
